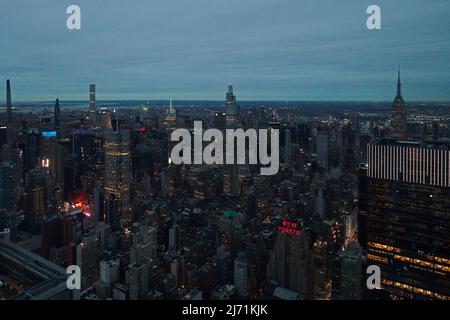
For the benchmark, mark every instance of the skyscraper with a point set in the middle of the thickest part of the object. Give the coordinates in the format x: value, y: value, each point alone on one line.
x: 170, y: 118
x: 351, y: 272
x: 231, y: 172
x: 408, y: 217
x: 241, y: 274
x: 291, y: 262
x: 287, y: 146
x: 322, y: 147
x: 92, y: 101
x: 9, y: 186
x: 57, y: 115
x: 231, y: 108
x: 37, y: 194
x: 8, y: 101
x: 398, y: 114
x: 117, y: 173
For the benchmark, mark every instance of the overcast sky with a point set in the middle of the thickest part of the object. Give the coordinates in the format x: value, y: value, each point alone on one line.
x: 192, y: 49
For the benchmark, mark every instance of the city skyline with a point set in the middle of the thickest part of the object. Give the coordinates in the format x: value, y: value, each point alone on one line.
x: 225, y: 151
x: 307, y: 52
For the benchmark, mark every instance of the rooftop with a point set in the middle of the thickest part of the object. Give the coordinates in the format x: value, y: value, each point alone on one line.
x: 443, y: 145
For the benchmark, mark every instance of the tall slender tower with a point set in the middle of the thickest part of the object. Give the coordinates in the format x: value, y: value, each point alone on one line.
x: 231, y: 108
x: 398, y: 115
x: 92, y: 101
x: 117, y: 175
x: 57, y: 114
x: 170, y: 118
x: 8, y: 101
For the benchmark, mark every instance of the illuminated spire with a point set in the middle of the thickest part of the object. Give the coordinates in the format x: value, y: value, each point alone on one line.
x: 171, y: 109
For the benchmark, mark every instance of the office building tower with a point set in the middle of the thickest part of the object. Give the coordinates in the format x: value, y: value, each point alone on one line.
x: 287, y: 146
x: 351, y: 263
x: 109, y: 271
x: 178, y: 270
x: 105, y: 121
x: 231, y: 180
x: 87, y: 254
x: 408, y: 217
x: 9, y: 186
x: 117, y: 172
x: 321, y: 274
x: 362, y: 205
x: 8, y: 101
x: 92, y: 102
x: 322, y: 147
x: 98, y: 202
x: 174, y: 238
x: 56, y: 156
x: 223, y: 261
x: 291, y: 261
x: 220, y: 120
x: 319, y: 188
x: 37, y: 195
x: 3, y: 135
x: 103, y: 234
x: 241, y: 274
x: 170, y: 118
x: 33, y: 148
x: 139, y: 280
x: 57, y: 115
x: 231, y: 108
x: 398, y: 113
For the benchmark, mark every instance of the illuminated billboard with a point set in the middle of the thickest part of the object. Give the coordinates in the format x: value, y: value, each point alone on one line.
x: 289, y: 227
x: 49, y: 134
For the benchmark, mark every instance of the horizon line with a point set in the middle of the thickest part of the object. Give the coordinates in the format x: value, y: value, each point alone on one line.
x: 62, y: 101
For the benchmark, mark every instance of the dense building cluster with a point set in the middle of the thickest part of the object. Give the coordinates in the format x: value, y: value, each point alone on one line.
x: 358, y: 185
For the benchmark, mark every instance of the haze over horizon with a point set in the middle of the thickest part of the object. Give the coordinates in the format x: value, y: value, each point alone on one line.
x: 277, y: 50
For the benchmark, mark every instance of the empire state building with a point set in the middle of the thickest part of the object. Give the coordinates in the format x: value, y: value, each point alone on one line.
x: 398, y: 114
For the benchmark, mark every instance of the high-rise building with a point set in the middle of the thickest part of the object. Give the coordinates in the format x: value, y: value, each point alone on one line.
x: 398, y: 114
x: 170, y: 118
x: 241, y: 274
x: 362, y: 205
x: 287, y: 146
x: 291, y: 261
x: 117, y: 171
x: 139, y: 280
x: 92, y: 101
x: 9, y: 186
x: 87, y: 254
x: 231, y: 108
x: 109, y: 271
x: 223, y: 261
x: 351, y: 262
x: 408, y: 217
x: 8, y: 101
x: 33, y: 148
x: 231, y: 179
x: 57, y: 115
x: 322, y: 148
x: 174, y: 237
x: 37, y: 195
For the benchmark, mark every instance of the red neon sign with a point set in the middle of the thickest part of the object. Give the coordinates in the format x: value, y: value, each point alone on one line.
x: 288, y: 227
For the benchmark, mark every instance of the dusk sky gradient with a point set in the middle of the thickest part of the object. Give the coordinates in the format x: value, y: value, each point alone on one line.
x: 192, y: 49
